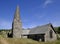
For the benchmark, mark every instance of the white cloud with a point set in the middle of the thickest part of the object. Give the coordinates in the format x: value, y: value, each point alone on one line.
x: 39, y: 16
x: 5, y: 24
x: 47, y: 2
x: 56, y: 23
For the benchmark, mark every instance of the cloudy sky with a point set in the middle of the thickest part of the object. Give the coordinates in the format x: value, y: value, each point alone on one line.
x: 32, y: 12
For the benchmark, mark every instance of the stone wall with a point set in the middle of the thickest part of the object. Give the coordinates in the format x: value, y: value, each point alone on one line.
x: 47, y: 35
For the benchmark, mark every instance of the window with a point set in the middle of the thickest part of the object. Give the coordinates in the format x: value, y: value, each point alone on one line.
x: 51, y: 34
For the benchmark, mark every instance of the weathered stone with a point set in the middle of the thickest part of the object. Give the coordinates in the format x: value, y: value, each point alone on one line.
x: 17, y: 26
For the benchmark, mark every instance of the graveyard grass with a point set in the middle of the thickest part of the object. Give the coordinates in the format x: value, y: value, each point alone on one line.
x: 24, y: 41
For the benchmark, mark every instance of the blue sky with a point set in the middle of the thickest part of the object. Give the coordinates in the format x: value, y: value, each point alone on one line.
x: 32, y: 12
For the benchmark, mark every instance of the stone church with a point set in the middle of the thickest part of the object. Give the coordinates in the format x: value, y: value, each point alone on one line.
x: 39, y: 33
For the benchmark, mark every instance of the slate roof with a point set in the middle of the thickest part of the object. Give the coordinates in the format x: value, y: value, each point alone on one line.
x: 38, y: 30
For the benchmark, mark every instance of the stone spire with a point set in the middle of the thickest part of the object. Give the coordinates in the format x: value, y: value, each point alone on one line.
x: 17, y: 25
x: 17, y: 13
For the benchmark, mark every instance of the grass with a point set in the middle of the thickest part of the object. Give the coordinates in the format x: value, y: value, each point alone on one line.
x: 20, y: 41
x: 26, y: 41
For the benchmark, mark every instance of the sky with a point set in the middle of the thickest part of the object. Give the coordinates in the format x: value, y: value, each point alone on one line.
x: 32, y: 12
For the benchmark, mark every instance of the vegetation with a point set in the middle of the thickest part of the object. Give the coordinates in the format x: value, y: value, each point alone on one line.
x: 5, y: 30
x: 57, y: 29
x: 24, y: 41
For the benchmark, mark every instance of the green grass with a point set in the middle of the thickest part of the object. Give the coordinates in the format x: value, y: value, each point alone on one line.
x: 20, y: 41
x: 27, y: 41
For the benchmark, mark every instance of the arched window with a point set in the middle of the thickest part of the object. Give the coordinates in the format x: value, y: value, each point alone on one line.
x: 51, y: 34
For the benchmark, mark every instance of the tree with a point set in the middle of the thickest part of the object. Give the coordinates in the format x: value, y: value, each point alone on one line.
x: 59, y: 30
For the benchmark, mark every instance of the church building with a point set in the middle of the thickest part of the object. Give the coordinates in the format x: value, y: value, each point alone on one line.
x: 40, y: 33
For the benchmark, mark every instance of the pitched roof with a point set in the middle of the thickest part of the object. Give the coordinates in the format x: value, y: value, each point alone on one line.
x: 38, y: 30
